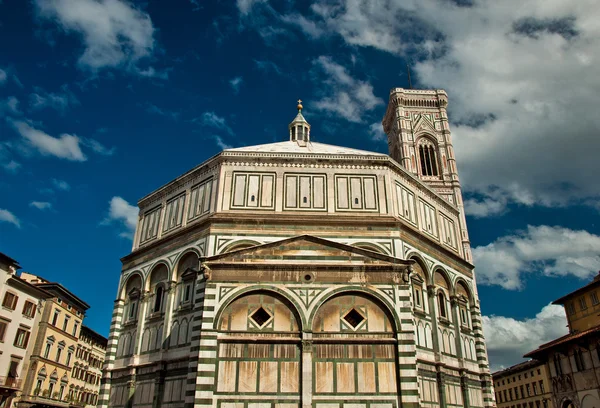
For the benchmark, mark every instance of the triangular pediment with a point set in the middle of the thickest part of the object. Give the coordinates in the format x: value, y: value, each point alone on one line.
x: 305, y: 249
x: 423, y: 122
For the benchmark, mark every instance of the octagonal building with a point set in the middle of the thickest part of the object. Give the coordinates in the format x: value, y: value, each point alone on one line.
x: 303, y: 275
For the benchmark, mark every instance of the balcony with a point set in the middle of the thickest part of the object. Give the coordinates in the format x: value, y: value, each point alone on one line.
x: 10, y: 382
x: 28, y: 400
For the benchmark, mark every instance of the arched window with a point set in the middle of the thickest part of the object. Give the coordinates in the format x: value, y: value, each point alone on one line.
x: 427, y: 158
x: 442, y: 304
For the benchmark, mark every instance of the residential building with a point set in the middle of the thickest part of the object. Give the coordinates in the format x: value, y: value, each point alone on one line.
x: 22, y: 306
x: 87, y: 369
x: 573, y: 361
x: 524, y: 385
x: 48, y: 379
x: 298, y: 273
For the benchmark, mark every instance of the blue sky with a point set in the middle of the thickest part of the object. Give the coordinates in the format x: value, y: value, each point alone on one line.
x: 102, y: 101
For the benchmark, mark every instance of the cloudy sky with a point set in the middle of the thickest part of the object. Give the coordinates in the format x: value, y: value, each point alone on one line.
x: 102, y: 101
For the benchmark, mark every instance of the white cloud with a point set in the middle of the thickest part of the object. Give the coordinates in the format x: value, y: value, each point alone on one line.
x: 220, y: 142
x: 124, y: 214
x: 59, y: 101
x: 64, y: 147
x: 98, y: 147
x: 211, y: 119
x: 550, y: 251
x: 61, y: 185
x: 236, y: 83
x: 11, y: 166
x: 245, y: 6
x: 151, y: 108
x: 41, y: 205
x: 114, y: 32
x: 10, y: 106
x: 344, y: 96
x: 508, y: 339
x: 377, y: 133
x: 150, y: 72
x: 7, y: 216
x: 268, y: 67
x: 3, y: 76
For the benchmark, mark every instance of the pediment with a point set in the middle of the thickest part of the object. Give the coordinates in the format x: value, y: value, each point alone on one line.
x: 423, y: 123
x: 305, y: 249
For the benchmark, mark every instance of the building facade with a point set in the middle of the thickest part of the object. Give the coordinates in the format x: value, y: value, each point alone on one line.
x: 525, y: 385
x: 87, y: 369
x: 22, y: 306
x: 48, y: 379
x: 573, y: 361
x: 299, y: 274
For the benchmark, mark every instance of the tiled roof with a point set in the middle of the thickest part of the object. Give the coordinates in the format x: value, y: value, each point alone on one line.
x: 517, y: 367
x: 595, y: 282
x: 562, y: 340
x: 310, y: 148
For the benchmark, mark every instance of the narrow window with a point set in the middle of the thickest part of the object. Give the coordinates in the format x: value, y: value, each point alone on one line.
x: 422, y: 157
x: 69, y: 355
x: 582, y: 303
x: 3, y: 326
x: 594, y: 297
x: 304, y: 200
x: 132, y: 309
x: 55, y: 318
x: 252, y: 198
x: 58, y: 354
x: 417, y: 292
x: 47, y: 351
x: 66, y: 323
x: 442, y: 304
x: 75, y: 327
x: 187, y: 291
x: 158, y: 300
x: 356, y: 201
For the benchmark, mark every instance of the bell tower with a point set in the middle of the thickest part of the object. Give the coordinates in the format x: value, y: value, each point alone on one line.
x: 419, y: 139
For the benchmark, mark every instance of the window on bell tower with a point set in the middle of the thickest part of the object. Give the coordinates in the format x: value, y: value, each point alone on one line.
x: 428, y: 159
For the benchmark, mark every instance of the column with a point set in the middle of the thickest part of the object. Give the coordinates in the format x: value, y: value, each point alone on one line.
x: 130, y: 390
x: 111, y: 353
x: 307, y: 370
x: 441, y: 380
x: 464, y: 385
x: 159, y: 386
x: 141, y: 320
x: 407, y: 348
x: 170, y: 306
x: 484, y: 368
x: 433, y: 311
x: 456, y: 317
x: 203, y: 348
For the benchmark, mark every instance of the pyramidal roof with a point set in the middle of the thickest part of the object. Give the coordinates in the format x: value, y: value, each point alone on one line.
x: 308, y: 148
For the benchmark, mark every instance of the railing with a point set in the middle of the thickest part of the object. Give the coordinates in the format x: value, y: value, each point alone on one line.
x: 10, y: 382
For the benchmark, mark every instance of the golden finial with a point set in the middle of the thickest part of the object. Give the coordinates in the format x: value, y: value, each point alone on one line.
x: 299, y: 105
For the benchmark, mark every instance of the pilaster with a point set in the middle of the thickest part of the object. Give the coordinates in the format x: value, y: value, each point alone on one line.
x: 307, y: 370
x: 111, y: 353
